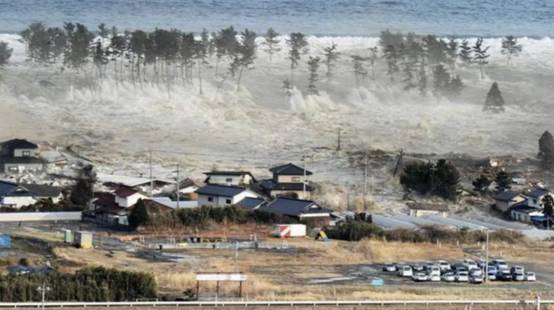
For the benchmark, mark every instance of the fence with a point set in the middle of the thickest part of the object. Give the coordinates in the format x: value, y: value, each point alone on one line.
x: 39, y: 216
x: 514, y: 302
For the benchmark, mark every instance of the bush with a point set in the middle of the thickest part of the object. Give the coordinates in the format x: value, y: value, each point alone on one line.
x: 89, y: 284
x: 353, y: 230
x: 441, y: 179
x: 233, y: 214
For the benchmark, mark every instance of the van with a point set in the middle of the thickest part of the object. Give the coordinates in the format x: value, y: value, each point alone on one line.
x: 405, y: 271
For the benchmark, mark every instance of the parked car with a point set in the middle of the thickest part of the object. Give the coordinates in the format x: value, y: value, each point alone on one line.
x: 470, y: 264
x: 449, y: 277
x: 462, y: 276
x: 517, y: 269
x: 389, y: 267
x: 475, y: 272
x: 459, y: 267
x: 434, y: 270
x: 435, y: 277
x: 405, y: 271
x: 474, y: 278
x: 492, y: 276
x: 530, y: 276
x: 500, y: 264
x: 492, y: 269
x: 518, y: 276
x: 504, y: 275
x: 444, y: 265
x: 420, y: 277
x: 418, y: 267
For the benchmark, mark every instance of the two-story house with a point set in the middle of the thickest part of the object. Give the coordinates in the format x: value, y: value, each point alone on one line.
x: 535, y: 197
x: 18, y: 156
x: 230, y: 178
x: 288, y: 180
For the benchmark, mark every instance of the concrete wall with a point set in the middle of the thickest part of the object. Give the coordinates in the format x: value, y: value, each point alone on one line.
x: 40, y: 216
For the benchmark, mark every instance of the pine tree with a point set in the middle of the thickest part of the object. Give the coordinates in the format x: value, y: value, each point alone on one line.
x: 503, y: 181
x: 358, y: 66
x: 297, y: 47
x: 546, y: 149
x: 245, y: 54
x: 511, y: 48
x: 480, y: 55
x: 331, y: 56
x: 465, y: 53
x: 494, y: 101
x: 5, y: 53
x: 452, y: 51
x: 482, y: 183
x: 548, y: 209
x: 139, y: 215
x: 313, y: 67
x: 271, y: 41
x: 391, y: 55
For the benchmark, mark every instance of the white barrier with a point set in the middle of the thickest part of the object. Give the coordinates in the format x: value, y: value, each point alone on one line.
x: 273, y: 303
x: 40, y: 216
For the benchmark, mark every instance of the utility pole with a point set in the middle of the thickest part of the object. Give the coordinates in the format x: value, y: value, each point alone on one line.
x: 487, y: 257
x: 304, y: 180
x: 338, y: 139
x: 398, y: 162
x: 366, y: 163
x: 150, y: 176
x: 43, y: 289
x: 177, y: 186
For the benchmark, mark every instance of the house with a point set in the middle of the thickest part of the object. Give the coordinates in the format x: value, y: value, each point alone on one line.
x: 288, y: 180
x: 19, y: 156
x: 107, y: 212
x: 524, y: 213
x: 251, y: 203
x: 18, y: 148
x: 535, y: 196
x: 301, y: 210
x: 235, y: 178
x: 127, y: 197
x: 29, y: 194
x: 222, y: 195
x: 506, y: 199
x: 423, y: 209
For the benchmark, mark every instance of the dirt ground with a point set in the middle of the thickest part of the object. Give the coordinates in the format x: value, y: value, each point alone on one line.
x: 303, y: 270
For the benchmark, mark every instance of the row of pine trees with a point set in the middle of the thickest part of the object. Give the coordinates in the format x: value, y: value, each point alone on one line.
x: 170, y: 56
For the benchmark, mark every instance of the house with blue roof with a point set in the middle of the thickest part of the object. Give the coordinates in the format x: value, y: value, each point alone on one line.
x: 536, y: 195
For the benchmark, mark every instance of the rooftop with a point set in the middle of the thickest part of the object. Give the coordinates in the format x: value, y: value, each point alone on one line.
x: 294, y: 207
x: 537, y: 192
x: 272, y: 185
x: 220, y: 190
x: 506, y: 196
x: 289, y: 169
x: 124, y: 192
x: 18, y: 144
x: 35, y: 190
x: 251, y: 203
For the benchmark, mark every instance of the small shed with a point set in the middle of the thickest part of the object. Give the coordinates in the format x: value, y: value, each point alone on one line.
x: 67, y: 236
x: 83, y: 239
x: 5, y: 241
x: 423, y: 209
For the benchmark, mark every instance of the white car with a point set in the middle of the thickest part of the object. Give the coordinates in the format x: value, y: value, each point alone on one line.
x: 470, y: 264
x: 389, y: 267
x: 530, y: 276
x: 518, y: 276
x: 476, y: 278
x: 420, y: 277
x: 435, y: 278
x: 449, y: 277
x: 434, y: 270
x: 462, y: 276
x: 492, y: 276
x: 444, y: 265
x: 500, y: 264
x: 405, y: 271
x: 475, y: 272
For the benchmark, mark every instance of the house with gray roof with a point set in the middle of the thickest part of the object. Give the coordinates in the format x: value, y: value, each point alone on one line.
x: 216, y: 195
x: 29, y: 194
x: 235, y: 178
x: 536, y: 195
x: 250, y: 203
x: 504, y: 200
x: 301, y: 210
x: 288, y: 180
